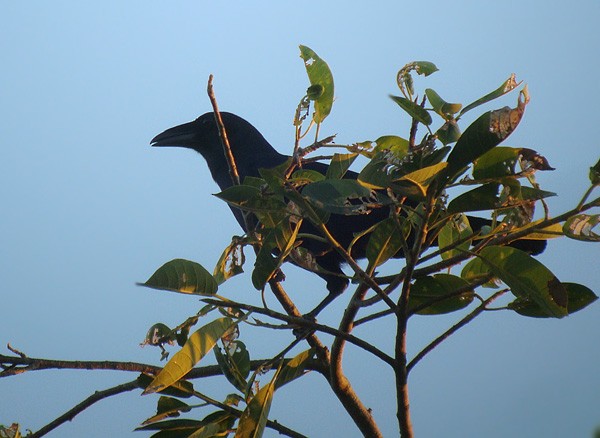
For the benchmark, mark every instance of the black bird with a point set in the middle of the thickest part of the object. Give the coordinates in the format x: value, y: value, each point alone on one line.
x: 252, y: 152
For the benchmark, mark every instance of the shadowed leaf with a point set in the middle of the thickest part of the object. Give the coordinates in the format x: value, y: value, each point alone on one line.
x: 182, y: 276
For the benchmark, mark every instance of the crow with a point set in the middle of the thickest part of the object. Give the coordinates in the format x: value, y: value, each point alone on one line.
x: 251, y: 152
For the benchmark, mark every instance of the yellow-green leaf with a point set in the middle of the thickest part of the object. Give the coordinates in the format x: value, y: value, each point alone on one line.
x: 197, y: 346
x: 182, y: 276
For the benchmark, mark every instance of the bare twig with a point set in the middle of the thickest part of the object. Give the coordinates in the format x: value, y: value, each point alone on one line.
x: 437, y: 341
x: 95, y: 397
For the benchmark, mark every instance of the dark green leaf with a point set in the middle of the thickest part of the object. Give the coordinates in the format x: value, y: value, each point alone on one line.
x: 527, y: 278
x: 280, y: 239
x: 234, y: 364
x: 385, y: 241
x: 508, y: 85
x: 595, y: 174
x: 455, y: 229
x: 481, y: 198
x: 437, y: 295
x: 182, y: 426
x: 333, y: 196
x: 448, y: 133
x: 581, y: 227
x: 168, y: 407
x: 321, y: 79
x: 484, y: 134
x: 340, y: 163
x: 496, y: 163
x: 579, y: 298
x: 182, y: 276
x: 414, y: 110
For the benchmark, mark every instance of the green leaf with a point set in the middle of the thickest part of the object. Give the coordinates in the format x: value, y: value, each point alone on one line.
x: 216, y: 424
x: 295, y: 368
x: 579, y: 298
x: 231, y: 262
x: 581, y: 227
x: 485, y: 133
x: 234, y: 364
x: 340, y: 163
x: 455, y: 229
x: 448, y: 133
x: 496, y: 163
x: 178, y: 428
x: 182, y: 276
x: 440, y: 106
x: 508, y: 85
x: 168, y: 407
x: 397, y: 145
x: 484, y: 197
x: 413, y: 109
x: 180, y: 389
x: 333, y: 196
x: 321, y: 81
x: 437, y: 295
x: 280, y: 238
x: 595, y: 174
x: 425, y: 175
x: 385, y: 241
x: 197, y: 346
x: 239, y: 195
x: 254, y: 418
x: 306, y: 176
x: 425, y: 67
x: 527, y: 278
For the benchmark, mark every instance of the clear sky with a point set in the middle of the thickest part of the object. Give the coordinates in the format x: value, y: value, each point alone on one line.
x: 88, y: 208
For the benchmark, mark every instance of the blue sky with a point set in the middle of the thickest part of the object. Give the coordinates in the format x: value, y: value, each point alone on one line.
x: 89, y: 208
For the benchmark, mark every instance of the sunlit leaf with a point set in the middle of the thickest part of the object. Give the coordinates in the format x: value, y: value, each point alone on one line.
x: 197, y: 346
x: 440, y: 106
x: 508, y: 85
x: 254, y: 418
x: 579, y: 297
x: 320, y: 77
x: 182, y: 276
x: 397, y: 145
x: 581, y: 227
x: 437, y: 295
x: 295, y: 368
x: 230, y: 263
x: 414, y: 110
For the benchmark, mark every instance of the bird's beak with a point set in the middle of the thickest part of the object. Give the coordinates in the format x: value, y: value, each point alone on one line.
x: 182, y: 135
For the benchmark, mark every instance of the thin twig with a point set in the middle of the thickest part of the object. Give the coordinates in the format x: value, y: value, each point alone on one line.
x: 437, y: 341
x: 95, y: 397
x: 233, y: 172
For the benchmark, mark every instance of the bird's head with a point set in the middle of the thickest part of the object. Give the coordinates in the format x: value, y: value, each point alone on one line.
x: 249, y: 148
